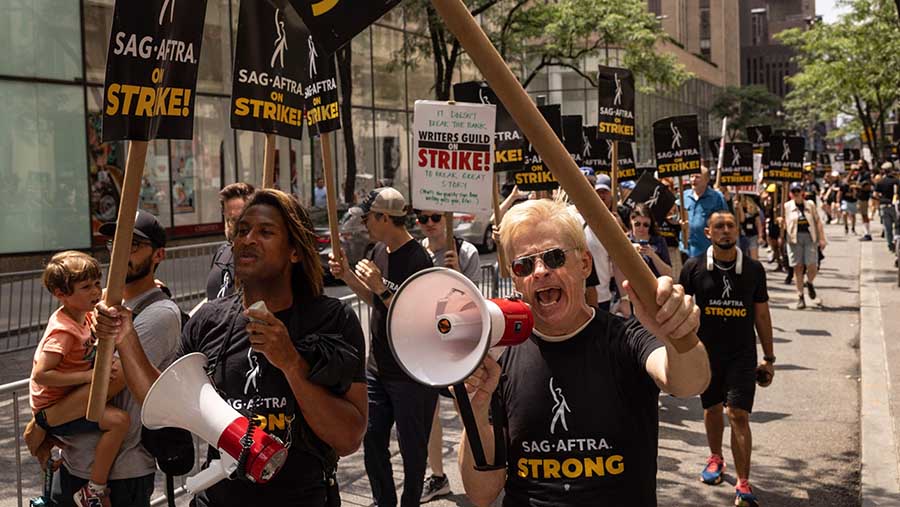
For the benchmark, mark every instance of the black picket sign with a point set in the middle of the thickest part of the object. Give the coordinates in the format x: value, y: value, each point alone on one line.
x: 737, y: 166
x: 268, y: 91
x: 334, y: 23
x: 627, y: 168
x: 322, y: 110
x: 151, y: 70
x: 573, y: 136
x: 616, y: 106
x: 759, y: 135
x: 596, y: 151
x: 536, y: 175
x: 785, y: 159
x: 509, y: 142
x: 713, y: 146
x: 677, y: 146
x: 654, y: 194
x: 851, y: 155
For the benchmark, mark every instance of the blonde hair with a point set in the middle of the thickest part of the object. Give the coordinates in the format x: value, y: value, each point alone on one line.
x: 531, y: 213
x: 65, y: 269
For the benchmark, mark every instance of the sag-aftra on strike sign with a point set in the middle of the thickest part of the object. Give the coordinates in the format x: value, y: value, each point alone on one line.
x: 151, y: 70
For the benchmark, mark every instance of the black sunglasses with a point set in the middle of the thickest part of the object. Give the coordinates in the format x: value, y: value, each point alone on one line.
x: 554, y: 258
x: 135, y: 245
x: 423, y: 219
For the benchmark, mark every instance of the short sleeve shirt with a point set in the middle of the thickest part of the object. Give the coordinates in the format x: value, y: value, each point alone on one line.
x: 249, y: 382
x: 726, y: 301
x: 395, y: 268
x: 698, y: 210
x: 70, y: 339
x: 583, y: 422
x: 469, y: 260
x: 220, y: 281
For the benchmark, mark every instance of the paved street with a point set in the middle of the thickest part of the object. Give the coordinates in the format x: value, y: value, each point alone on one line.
x: 806, y: 426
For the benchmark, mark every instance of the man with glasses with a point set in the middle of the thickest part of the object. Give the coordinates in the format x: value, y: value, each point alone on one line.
x: 220, y: 281
x: 394, y: 397
x: 463, y: 257
x: 158, y: 327
x: 581, y: 395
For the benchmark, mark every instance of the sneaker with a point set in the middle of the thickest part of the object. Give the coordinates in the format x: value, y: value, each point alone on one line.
x: 434, y: 487
x: 811, y: 289
x: 712, y: 473
x: 743, y: 495
x: 789, y: 279
x: 846, y: 229
x: 87, y: 497
x: 866, y: 237
x: 801, y: 304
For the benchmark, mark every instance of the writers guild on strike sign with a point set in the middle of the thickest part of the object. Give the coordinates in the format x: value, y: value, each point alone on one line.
x: 452, y: 168
x: 268, y: 93
x: 151, y: 70
x: 677, y: 146
x: 616, y: 108
x: 737, y: 164
x: 509, y: 142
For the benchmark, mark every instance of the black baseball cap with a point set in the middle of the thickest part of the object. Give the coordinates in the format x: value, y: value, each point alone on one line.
x: 146, y: 226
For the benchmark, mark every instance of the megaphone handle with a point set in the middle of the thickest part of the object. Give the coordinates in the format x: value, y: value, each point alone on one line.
x: 468, y: 417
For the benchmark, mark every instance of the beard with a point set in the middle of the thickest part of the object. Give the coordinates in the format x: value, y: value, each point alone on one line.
x: 140, y: 271
x: 725, y: 244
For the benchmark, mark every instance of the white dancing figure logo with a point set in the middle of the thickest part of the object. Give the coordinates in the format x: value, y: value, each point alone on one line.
x: 586, y: 151
x: 617, y: 100
x: 759, y: 137
x: 726, y: 287
x: 560, y: 407
x: 482, y: 97
x: 786, y: 150
x: 312, y: 58
x: 280, y: 41
x: 253, y: 372
x: 676, y: 136
x: 654, y: 198
x: 170, y: 4
x: 735, y: 157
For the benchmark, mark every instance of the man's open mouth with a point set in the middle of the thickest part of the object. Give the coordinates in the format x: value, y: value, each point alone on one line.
x: 548, y: 296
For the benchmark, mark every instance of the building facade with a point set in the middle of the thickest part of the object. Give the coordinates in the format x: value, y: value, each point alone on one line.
x: 61, y: 182
x: 764, y: 60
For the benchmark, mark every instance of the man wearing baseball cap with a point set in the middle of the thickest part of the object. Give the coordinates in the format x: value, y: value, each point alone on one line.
x: 393, y: 396
x: 157, y: 322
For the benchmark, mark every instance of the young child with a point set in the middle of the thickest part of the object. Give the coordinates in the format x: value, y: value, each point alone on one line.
x: 64, y: 361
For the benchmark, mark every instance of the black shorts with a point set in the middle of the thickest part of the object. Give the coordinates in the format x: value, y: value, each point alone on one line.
x: 733, y: 382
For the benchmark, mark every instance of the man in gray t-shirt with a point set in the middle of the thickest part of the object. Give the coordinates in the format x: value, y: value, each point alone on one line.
x: 159, y: 328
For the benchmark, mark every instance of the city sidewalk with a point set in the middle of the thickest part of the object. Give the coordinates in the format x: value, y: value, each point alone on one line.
x: 880, y: 365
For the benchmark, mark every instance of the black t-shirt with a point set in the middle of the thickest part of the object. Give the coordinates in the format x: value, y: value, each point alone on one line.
x: 669, y: 232
x: 885, y: 187
x: 220, y: 281
x: 811, y: 191
x: 395, y: 268
x: 848, y: 193
x: 802, y: 221
x: 583, y: 421
x: 726, y: 301
x: 748, y: 226
x: 243, y: 375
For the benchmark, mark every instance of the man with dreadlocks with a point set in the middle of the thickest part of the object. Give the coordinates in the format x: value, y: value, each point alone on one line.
x: 261, y: 360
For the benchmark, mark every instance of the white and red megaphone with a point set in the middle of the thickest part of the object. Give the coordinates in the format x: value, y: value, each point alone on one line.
x: 182, y: 397
x: 440, y: 327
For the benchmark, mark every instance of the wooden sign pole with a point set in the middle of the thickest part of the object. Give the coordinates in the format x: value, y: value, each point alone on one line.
x: 615, y: 173
x: 460, y: 22
x: 448, y: 224
x: 501, y: 256
x: 330, y: 195
x: 118, y: 268
x: 268, y: 176
x: 685, y: 226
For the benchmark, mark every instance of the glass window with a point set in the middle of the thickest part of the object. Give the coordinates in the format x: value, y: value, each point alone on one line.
x: 97, y: 26
x: 45, y: 189
x: 364, y: 151
x: 215, y: 54
x: 198, y: 165
x: 386, y: 53
x: 41, y: 39
x: 392, y: 149
x: 419, y: 78
x: 362, y: 69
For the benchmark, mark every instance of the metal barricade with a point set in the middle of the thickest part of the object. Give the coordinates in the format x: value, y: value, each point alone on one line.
x: 25, y: 305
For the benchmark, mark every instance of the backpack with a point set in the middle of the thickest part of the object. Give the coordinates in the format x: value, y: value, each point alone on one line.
x: 172, y: 448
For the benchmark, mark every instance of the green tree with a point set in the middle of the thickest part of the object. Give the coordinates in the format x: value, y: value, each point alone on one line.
x: 745, y: 106
x: 851, y: 67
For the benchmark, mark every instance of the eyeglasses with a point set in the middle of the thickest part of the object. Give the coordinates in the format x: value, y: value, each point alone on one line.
x: 423, y: 219
x: 135, y: 245
x: 554, y: 258
x: 640, y: 224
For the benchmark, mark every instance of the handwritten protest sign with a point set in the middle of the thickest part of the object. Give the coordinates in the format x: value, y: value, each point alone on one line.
x: 453, y: 167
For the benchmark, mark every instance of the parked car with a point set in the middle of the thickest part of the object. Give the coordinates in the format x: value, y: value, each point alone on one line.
x: 476, y: 229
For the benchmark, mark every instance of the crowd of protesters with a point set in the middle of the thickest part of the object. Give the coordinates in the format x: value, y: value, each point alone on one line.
x: 711, y: 282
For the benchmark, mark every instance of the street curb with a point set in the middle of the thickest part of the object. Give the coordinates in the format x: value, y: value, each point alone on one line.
x: 880, y: 481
